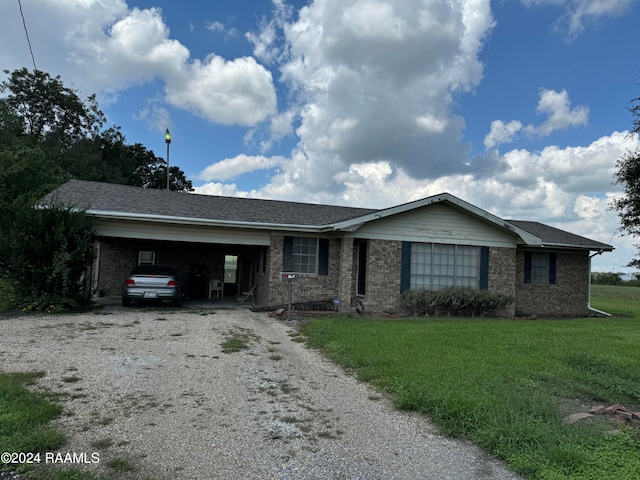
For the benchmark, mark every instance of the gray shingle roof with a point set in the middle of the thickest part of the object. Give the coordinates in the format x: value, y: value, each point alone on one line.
x: 128, y: 200
x: 108, y: 197
x: 554, y: 236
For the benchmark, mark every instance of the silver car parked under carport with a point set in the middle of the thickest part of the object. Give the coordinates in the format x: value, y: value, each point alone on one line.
x: 152, y: 283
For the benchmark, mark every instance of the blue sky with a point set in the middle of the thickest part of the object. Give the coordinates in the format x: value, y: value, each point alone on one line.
x: 519, y: 107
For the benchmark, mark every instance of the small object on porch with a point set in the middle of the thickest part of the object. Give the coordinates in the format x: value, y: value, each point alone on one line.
x: 215, y: 286
x: 248, y: 295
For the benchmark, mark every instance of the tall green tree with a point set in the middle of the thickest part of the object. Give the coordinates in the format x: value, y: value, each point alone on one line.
x: 627, y: 174
x: 68, y: 129
x: 52, y: 113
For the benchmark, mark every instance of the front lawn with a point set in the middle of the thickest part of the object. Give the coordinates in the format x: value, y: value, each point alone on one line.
x: 507, y: 384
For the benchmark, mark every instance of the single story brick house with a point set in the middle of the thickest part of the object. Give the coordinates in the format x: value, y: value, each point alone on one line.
x: 357, y: 256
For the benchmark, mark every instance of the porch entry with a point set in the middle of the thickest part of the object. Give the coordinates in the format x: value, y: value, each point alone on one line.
x: 230, y: 280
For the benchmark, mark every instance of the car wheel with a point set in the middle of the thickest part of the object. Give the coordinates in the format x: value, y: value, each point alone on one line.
x: 126, y: 302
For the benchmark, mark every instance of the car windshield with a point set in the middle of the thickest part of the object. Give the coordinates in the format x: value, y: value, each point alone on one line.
x: 154, y: 270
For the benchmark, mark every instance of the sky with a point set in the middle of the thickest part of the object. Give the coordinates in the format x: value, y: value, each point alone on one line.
x: 519, y: 107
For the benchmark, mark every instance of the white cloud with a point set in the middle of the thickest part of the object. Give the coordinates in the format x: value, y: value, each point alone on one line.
x: 502, y: 133
x: 374, y: 80
x: 156, y: 118
x: 579, y: 12
x: 550, y: 186
x: 228, y: 92
x: 374, y: 20
x: 221, y: 189
x: 233, y: 167
x: 574, y: 169
x: 431, y: 124
x: 266, y: 42
x: 219, y: 27
x: 103, y: 46
x: 560, y: 115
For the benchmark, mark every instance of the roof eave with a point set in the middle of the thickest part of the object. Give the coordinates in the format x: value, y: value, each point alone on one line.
x: 105, y: 214
x: 570, y: 246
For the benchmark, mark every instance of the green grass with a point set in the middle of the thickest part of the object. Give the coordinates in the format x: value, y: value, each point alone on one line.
x: 24, y: 427
x: 24, y: 416
x: 238, y: 339
x: 506, y: 385
x: 618, y: 300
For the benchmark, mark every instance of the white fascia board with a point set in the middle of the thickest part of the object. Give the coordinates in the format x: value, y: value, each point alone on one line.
x: 355, y: 223
x: 569, y: 246
x: 144, y: 217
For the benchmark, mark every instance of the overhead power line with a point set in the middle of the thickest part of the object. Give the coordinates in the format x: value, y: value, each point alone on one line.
x: 27, y: 34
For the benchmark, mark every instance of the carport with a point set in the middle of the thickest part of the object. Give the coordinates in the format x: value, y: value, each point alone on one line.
x: 199, y: 253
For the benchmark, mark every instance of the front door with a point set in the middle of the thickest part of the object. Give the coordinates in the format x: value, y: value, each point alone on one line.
x: 361, y: 267
x: 230, y: 284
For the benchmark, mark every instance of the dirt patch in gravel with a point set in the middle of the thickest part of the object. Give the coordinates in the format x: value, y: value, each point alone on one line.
x: 222, y: 394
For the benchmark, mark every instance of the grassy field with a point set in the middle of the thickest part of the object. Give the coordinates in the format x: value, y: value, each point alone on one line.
x: 507, y: 384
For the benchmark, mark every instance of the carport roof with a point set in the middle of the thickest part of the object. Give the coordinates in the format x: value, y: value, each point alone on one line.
x: 98, y: 197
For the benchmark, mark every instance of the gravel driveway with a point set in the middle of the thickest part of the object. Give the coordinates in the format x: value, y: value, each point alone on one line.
x: 153, y: 390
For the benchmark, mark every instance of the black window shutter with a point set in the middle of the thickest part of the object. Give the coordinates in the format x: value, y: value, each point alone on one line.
x: 552, y: 268
x: 405, y: 267
x: 323, y: 256
x: 287, y: 254
x: 484, y: 268
x: 527, y: 267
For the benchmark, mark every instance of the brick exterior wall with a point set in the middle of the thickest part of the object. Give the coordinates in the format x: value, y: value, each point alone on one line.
x: 382, y: 287
x: 382, y: 280
x: 346, y: 286
x: 502, y: 271
x: 306, y: 288
x: 261, y: 266
x: 567, y: 298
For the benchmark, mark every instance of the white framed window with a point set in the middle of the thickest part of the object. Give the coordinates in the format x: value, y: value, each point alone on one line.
x: 435, y: 266
x: 146, y: 257
x: 305, y: 255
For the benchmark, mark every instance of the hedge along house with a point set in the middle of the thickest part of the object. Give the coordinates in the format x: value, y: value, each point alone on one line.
x: 355, y: 255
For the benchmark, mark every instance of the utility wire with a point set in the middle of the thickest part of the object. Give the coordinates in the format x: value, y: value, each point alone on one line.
x: 27, y: 34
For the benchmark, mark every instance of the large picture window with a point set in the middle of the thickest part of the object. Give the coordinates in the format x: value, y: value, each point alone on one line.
x: 435, y: 266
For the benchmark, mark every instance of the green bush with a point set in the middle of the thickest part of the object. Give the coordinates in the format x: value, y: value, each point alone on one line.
x: 7, y: 295
x: 46, y: 253
x: 453, y: 301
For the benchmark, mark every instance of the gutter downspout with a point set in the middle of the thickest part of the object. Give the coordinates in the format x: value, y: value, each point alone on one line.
x: 589, y: 307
